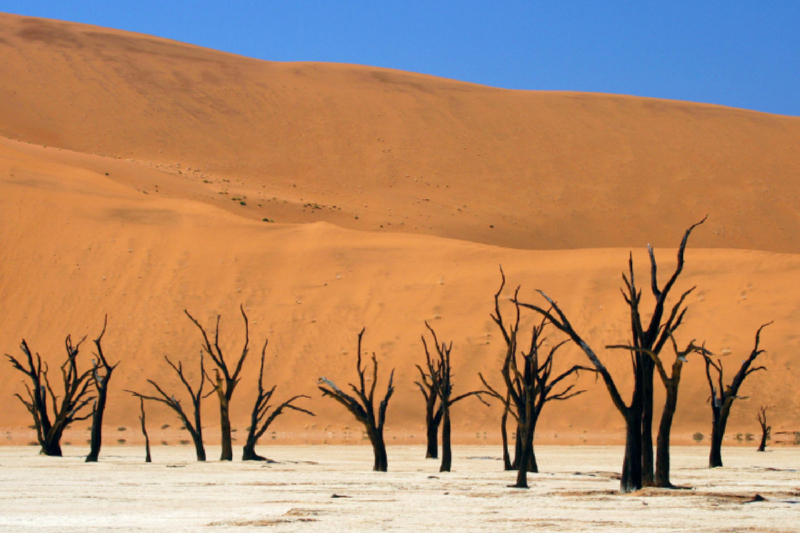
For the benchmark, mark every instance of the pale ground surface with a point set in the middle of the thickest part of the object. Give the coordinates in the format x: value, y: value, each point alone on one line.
x: 576, y: 492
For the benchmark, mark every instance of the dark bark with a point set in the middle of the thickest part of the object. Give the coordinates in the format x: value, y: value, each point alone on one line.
x: 75, y: 397
x: 362, y: 406
x: 529, y: 382
x: 194, y: 426
x: 101, y: 377
x: 147, y: 458
x: 646, y: 340
x: 261, y: 418
x: 225, y: 380
x: 765, y: 429
x: 507, y: 465
x: 722, y: 396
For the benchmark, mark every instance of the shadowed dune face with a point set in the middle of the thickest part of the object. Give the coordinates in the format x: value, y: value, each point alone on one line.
x: 411, y: 153
x: 135, y: 173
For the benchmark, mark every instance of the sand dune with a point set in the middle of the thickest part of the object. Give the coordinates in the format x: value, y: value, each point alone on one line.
x: 135, y: 173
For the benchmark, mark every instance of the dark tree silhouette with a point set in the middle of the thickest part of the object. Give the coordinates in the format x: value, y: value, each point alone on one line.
x: 433, y: 414
x: 530, y: 383
x: 147, y: 458
x: 362, y: 406
x: 224, y: 384
x: 765, y: 429
x: 507, y: 464
x: 723, y: 396
x: 440, y: 376
x: 101, y: 376
x: 194, y: 426
x: 76, y: 396
x: 671, y: 384
x: 261, y: 418
x: 637, y: 468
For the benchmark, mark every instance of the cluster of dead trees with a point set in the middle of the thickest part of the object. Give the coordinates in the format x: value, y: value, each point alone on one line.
x: 85, y: 392
x: 530, y: 378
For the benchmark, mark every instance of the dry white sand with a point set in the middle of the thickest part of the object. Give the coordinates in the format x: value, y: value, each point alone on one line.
x: 576, y: 492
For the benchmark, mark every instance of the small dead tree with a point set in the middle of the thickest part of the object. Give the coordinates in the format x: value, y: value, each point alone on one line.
x: 440, y: 374
x: 259, y: 421
x: 224, y: 384
x: 433, y: 414
x: 76, y: 396
x: 765, y: 429
x: 362, y: 406
x: 530, y: 383
x: 194, y: 425
x: 147, y: 458
x: 637, y: 466
x: 723, y: 396
x: 101, y: 375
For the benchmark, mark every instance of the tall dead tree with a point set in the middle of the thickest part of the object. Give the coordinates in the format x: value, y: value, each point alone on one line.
x: 362, y: 406
x: 261, y: 418
x: 530, y: 383
x: 723, y: 396
x: 224, y: 384
x: 194, y: 425
x: 637, y: 468
x: 765, y: 429
x: 440, y: 374
x: 147, y: 458
x: 75, y: 397
x: 101, y: 376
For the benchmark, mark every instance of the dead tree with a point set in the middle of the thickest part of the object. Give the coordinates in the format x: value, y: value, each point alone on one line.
x: 671, y: 384
x: 194, y: 426
x: 433, y: 414
x: 147, y: 458
x: 530, y: 383
x: 258, y: 423
x: 723, y: 396
x: 765, y: 429
x: 101, y: 375
x: 363, y: 405
x: 637, y: 468
x: 224, y: 384
x: 50, y: 426
x: 440, y: 374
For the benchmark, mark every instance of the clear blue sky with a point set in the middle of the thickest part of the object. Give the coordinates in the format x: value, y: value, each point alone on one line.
x: 735, y: 53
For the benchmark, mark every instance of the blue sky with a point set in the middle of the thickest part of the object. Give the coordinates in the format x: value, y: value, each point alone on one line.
x: 735, y: 53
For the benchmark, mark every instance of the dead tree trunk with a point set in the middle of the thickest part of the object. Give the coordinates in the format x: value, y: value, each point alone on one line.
x: 259, y: 421
x: 50, y: 426
x: 722, y: 397
x: 433, y: 414
x: 147, y: 458
x: 224, y: 384
x: 194, y: 426
x: 507, y: 465
x: 363, y: 405
x: 440, y: 374
x: 671, y: 384
x: 645, y: 341
x: 529, y: 383
x: 101, y: 376
x: 765, y: 429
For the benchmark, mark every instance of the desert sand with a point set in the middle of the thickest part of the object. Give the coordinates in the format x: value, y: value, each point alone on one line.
x: 575, y: 492
x: 136, y: 174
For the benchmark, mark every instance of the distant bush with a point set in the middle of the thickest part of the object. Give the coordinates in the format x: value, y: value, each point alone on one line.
x: 697, y: 437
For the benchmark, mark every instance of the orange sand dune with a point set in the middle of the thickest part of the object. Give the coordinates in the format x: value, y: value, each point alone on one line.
x: 78, y: 245
x: 135, y: 173
x: 405, y: 152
